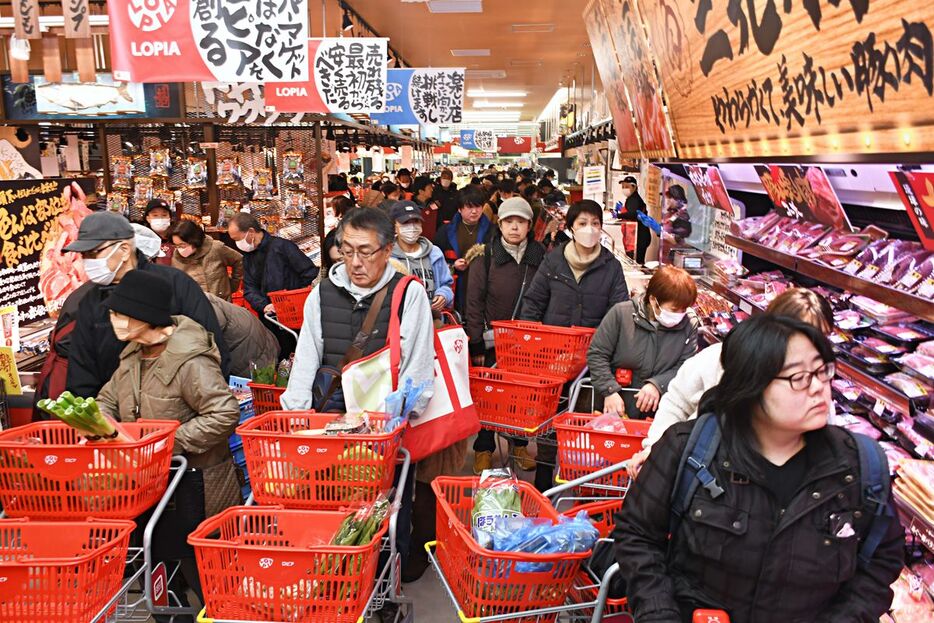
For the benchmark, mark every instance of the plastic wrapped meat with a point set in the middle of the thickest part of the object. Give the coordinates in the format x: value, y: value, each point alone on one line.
x: 911, y: 279
x: 857, y: 424
x: 850, y: 320
x: 837, y: 248
x: 881, y: 269
x: 906, y: 269
x: 754, y: 226
x: 882, y: 347
x: 921, y: 364
x: 826, y: 208
x: 895, y: 455
x: 867, y: 257
x: 926, y: 348
x: 908, y: 385
x: 62, y: 273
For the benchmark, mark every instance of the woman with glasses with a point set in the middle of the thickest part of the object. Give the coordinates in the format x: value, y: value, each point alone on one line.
x: 776, y: 528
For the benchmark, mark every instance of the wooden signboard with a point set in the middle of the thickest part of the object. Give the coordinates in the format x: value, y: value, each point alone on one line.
x: 772, y: 78
x: 77, y: 19
x: 26, y: 19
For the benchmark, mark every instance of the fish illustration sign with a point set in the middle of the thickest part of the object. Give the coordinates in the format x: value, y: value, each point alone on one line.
x: 427, y: 96
x: 348, y: 75
x: 206, y: 40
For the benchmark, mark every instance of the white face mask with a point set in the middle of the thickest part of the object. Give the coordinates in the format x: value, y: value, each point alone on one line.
x: 99, y: 272
x: 627, y: 192
x: 185, y: 251
x: 587, y: 237
x: 667, y: 319
x: 244, y: 245
x: 160, y: 224
x: 409, y: 233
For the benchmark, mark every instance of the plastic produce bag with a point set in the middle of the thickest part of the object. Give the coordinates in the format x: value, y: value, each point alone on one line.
x: 540, y: 536
x: 497, y: 496
x: 609, y: 423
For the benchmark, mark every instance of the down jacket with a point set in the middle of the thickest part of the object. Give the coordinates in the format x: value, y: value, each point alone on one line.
x: 249, y: 341
x: 276, y: 264
x: 208, y: 267
x: 184, y: 383
x: 556, y: 298
x: 742, y: 554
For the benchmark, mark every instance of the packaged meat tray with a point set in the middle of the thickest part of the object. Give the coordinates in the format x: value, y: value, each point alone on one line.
x: 907, y: 334
x: 917, y: 365
x: 909, y: 385
x: 913, y: 272
x: 882, y: 347
x: 926, y: 348
x: 867, y: 360
x: 838, y: 248
x: 879, y: 312
x: 852, y: 320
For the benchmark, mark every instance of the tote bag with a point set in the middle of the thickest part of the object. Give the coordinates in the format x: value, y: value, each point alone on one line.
x: 450, y: 415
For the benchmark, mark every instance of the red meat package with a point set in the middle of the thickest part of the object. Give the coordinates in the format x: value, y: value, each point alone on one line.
x: 800, y: 236
x: 837, y: 248
x: 914, y: 277
x: 867, y: 257
x: 881, y: 268
x: 62, y: 273
x: 911, y: 604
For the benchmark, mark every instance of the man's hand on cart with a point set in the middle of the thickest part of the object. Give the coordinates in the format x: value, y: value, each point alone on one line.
x: 269, y: 309
x: 438, y: 303
x: 647, y: 398
x: 636, y: 462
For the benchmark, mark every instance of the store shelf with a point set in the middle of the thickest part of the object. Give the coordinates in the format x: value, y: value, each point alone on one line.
x: 917, y: 525
x: 747, y: 306
x: 923, y: 308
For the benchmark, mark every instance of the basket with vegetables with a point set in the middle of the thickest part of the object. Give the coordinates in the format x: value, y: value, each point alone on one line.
x: 268, y: 384
x: 303, y: 459
x: 272, y: 564
x: 52, y: 470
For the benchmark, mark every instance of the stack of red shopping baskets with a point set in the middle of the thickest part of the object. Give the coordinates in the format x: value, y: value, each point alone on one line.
x: 275, y: 562
x: 66, y: 562
x: 520, y: 396
x: 487, y: 583
x: 290, y: 306
x: 583, y: 450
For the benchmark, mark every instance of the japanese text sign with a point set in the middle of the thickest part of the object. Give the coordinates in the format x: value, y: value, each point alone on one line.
x: 209, y: 40
x: 26, y: 19
x: 348, y: 75
x: 77, y: 18
x: 709, y: 186
x: 917, y: 192
x: 480, y: 140
x: 803, y: 193
x: 432, y: 96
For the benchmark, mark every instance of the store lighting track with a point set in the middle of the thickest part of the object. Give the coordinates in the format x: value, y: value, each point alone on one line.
x: 455, y: 6
x: 533, y: 28
x: 470, y: 52
x: 488, y: 104
x: 483, y: 93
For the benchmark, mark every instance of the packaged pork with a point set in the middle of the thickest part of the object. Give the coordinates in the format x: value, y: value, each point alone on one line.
x: 918, y: 365
x: 837, y: 248
x: 911, y: 279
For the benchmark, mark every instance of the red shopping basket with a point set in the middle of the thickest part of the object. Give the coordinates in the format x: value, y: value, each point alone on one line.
x: 514, y: 403
x: 582, y: 450
x: 290, y: 306
x: 60, y: 571
x: 265, y: 397
x: 536, y: 348
x: 237, y: 299
x: 48, y: 472
x: 488, y: 583
x: 271, y: 564
x: 321, y: 471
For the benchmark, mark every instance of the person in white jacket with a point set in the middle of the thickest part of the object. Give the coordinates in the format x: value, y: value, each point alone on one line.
x: 703, y: 370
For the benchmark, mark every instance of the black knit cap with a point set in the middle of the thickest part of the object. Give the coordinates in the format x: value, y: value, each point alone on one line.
x: 142, y: 296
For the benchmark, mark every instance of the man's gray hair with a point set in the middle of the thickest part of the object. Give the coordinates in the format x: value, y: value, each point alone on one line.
x: 370, y: 219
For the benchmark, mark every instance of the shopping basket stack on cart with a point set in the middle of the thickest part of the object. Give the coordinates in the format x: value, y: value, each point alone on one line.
x: 520, y: 397
x: 583, y: 450
x: 63, y: 558
x: 276, y: 562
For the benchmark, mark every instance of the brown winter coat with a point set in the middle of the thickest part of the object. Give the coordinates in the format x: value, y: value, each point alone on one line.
x: 184, y: 384
x: 248, y: 340
x: 208, y: 267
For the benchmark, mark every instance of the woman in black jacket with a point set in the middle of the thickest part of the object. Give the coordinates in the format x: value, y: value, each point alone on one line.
x: 576, y: 285
x: 775, y: 537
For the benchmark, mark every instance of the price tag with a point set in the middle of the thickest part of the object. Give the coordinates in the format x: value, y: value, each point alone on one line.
x: 922, y: 449
x: 878, y: 408
x: 745, y: 306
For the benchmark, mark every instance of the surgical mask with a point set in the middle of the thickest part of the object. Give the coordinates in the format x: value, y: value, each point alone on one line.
x: 403, y: 184
x: 627, y: 192
x: 99, y: 272
x: 185, y: 251
x: 666, y: 318
x: 132, y: 330
x: 587, y: 237
x: 243, y: 245
x: 160, y: 224
x: 409, y: 233
x: 445, y: 182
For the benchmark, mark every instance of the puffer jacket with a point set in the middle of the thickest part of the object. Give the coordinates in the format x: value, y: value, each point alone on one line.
x: 556, y: 298
x: 627, y: 339
x: 208, y: 267
x: 742, y: 554
x: 248, y: 340
x: 276, y: 264
x: 184, y: 383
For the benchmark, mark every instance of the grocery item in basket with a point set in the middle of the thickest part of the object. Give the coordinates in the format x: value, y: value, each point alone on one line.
x: 349, y: 424
x: 497, y: 495
x: 264, y: 376
x: 283, y: 372
x: 360, y: 527
x: 84, y: 415
x: 609, y: 423
x: 539, y: 536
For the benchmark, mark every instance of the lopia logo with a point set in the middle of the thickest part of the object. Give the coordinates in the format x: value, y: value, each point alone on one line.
x: 518, y: 140
x: 151, y: 15
x: 609, y: 443
x: 393, y: 90
x: 458, y: 346
x: 265, y: 563
x: 51, y: 459
x: 303, y: 450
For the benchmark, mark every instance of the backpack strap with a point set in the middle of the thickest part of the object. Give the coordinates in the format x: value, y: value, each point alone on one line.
x: 876, y: 487
x: 693, y: 471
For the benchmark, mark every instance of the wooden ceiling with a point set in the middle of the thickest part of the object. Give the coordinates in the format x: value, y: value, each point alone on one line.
x: 535, y: 62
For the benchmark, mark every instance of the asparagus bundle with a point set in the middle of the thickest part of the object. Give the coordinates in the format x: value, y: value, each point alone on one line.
x: 84, y: 415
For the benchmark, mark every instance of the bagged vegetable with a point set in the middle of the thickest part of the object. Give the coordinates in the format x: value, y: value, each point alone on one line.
x: 496, y: 496
x: 264, y: 376
x: 283, y: 372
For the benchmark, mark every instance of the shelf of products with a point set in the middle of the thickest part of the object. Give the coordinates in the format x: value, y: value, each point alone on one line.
x: 918, y: 306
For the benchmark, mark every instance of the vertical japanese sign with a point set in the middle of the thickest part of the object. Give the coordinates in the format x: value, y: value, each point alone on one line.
x: 916, y: 190
x: 208, y: 40
x: 432, y: 96
x: 26, y: 19
x: 768, y: 77
x: 709, y: 186
x: 28, y: 211
x: 77, y: 19
x: 604, y: 54
x: 803, y: 193
x: 348, y: 75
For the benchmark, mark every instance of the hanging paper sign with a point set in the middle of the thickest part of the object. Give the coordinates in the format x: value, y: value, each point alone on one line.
x: 77, y: 19
x: 480, y: 140
x: 709, y: 186
x: 26, y: 19
x: 348, y: 75
x: 9, y: 374
x: 207, y: 40
x: 803, y: 193
x: 916, y: 190
x: 514, y: 144
x: 423, y: 96
x: 795, y: 78
x: 594, y: 182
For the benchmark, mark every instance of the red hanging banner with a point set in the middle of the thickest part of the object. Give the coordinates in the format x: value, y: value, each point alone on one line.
x: 514, y: 144
x: 917, y: 192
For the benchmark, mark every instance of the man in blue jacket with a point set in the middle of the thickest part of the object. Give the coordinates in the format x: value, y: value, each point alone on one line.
x: 468, y: 228
x: 270, y: 264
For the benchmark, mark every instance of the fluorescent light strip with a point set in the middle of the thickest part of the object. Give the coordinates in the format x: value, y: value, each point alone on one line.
x: 482, y: 93
x: 488, y: 104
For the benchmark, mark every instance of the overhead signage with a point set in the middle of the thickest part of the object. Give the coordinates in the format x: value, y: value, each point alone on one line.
x: 433, y: 96
x: 916, y: 190
x: 26, y: 19
x: 480, y: 140
x: 771, y: 78
x: 514, y: 144
x: 206, y: 40
x: 348, y: 75
x: 803, y: 193
x: 77, y: 18
x: 709, y: 186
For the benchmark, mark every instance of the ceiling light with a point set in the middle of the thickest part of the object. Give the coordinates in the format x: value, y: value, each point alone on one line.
x: 455, y: 6
x: 528, y: 28
x: 519, y: 62
x: 487, y: 104
x: 347, y: 23
x: 470, y: 52
x: 483, y: 93
x: 472, y: 115
x: 489, y: 74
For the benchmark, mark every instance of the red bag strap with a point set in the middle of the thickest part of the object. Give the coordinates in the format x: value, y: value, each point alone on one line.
x: 394, y: 339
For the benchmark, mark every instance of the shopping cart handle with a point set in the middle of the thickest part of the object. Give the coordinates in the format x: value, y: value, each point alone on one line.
x: 430, y: 545
x: 203, y: 617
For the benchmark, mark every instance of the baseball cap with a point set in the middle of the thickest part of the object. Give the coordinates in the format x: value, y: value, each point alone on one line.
x: 514, y: 206
x: 98, y: 228
x: 405, y: 211
x: 629, y: 180
x: 156, y: 203
x: 402, y: 172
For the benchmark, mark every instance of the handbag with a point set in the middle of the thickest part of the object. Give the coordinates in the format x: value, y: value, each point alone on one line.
x: 326, y: 393
x: 450, y: 415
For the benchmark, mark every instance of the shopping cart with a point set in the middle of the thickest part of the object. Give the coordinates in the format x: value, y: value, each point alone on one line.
x: 583, y: 450
x: 513, y: 403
